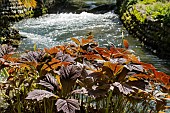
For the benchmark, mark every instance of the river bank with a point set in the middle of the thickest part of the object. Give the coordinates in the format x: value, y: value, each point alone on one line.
x: 149, y: 23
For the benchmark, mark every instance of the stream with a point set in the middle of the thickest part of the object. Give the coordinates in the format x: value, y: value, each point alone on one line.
x: 55, y: 29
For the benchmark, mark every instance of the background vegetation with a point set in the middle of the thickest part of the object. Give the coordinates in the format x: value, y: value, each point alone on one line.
x: 155, y: 10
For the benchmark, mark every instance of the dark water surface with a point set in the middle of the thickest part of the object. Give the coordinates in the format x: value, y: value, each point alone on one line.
x: 54, y: 29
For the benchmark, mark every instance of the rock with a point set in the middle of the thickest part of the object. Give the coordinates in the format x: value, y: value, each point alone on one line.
x: 102, y: 8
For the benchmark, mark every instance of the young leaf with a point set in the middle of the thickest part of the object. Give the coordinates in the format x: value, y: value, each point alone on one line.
x: 160, y: 76
x: 93, y: 57
x: 39, y: 94
x: 75, y: 40
x: 165, y: 80
x: 147, y: 66
x: 125, y: 43
x: 68, y: 105
x: 132, y: 58
x: 86, y: 41
x: 114, y: 67
x: 103, y: 52
x: 53, y: 64
x: 90, y: 37
x: 53, y: 50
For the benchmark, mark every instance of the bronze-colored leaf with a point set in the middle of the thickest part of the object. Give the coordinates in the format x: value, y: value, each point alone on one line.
x: 125, y: 43
x: 75, y: 40
x: 116, y: 68
x: 86, y: 41
x: 93, y: 57
x: 53, y: 50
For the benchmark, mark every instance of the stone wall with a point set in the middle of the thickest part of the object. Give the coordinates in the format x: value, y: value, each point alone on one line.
x: 154, y: 34
x: 12, y: 7
x: 12, y: 10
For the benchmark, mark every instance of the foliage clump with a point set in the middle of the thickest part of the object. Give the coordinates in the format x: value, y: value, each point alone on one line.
x: 155, y: 10
x: 81, y: 76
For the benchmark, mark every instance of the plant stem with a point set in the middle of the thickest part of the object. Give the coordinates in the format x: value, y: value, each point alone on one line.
x: 5, y: 72
x: 108, y: 102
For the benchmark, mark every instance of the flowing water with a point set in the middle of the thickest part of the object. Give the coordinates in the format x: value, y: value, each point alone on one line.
x: 54, y: 29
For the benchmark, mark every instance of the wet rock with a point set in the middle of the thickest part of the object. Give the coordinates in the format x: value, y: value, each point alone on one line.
x: 102, y: 8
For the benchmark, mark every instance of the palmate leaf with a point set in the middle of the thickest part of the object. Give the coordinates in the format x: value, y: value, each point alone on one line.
x: 141, y: 75
x: 5, y: 49
x: 93, y: 57
x: 85, y: 44
x: 83, y: 41
x: 115, y: 67
x: 88, y: 65
x: 52, y: 65
x: 141, y: 84
x: 68, y: 77
x: 132, y: 58
x: 64, y: 57
x: 39, y: 94
x: 86, y: 41
x: 147, y: 66
x: 80, y: 91
x: 33, y: 56
x: 162, y: 77
x: 49, y: 82
x: 51, y: 51
x: 134, y: 67
x: 98, y: 76
x: 125, y: 89
x: 118, y: 60
x: 98, y: 91
x: 104, y: 52
x: 70, y: 72
x: 68, y: 105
